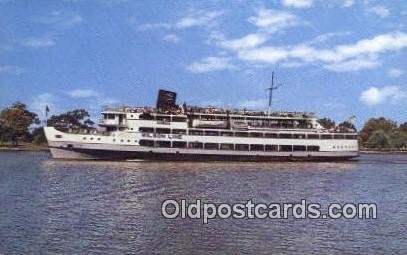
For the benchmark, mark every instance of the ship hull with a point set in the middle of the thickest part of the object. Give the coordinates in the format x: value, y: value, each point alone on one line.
x: 159, y: 155
x: 93, y: 147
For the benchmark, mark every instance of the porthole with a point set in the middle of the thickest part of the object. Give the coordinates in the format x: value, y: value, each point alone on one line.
x: 84, y: 138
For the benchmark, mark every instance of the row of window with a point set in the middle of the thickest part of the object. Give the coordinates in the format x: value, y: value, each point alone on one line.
x: 220, y: 146
x: 227, y: 146
x: 245, y: 134
x: 147, y: 116
x: 98, y: 139
x: 109, y: 116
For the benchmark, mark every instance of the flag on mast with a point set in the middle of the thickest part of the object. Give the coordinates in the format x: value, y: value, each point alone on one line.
x: 46, y: 114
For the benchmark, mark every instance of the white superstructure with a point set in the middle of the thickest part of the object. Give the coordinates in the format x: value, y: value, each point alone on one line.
x: 196, y: 133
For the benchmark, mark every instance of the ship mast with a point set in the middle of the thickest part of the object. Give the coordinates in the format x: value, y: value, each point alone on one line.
x: 272, y: 87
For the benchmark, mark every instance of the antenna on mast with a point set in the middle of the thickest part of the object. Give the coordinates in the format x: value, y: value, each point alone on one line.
x: 272, y: 87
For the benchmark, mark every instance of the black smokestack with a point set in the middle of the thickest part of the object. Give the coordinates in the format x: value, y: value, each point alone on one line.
x: 166, y: 100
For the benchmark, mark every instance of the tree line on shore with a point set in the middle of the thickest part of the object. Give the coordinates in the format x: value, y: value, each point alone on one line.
x: 377, y: 133
x: 18, y: 124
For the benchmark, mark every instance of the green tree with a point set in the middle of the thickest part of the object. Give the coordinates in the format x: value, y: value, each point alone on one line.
x: 4, y: 131
x: 327, y: 123
x: 379, y: 139
x: 38, y: 136
x: 399, y: 140
x: 373, y: 125
x: 346, y: 127
x: 76, y: 119
x: 15, y: 123
x: 403, y: 127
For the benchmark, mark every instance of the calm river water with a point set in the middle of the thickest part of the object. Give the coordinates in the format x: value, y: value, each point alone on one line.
x: 89, y: 207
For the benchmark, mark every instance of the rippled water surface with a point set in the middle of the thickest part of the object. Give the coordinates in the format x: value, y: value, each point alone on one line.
x: 87, y: 207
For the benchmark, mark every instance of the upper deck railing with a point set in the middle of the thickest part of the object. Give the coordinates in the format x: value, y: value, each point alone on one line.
x: 196, y: 110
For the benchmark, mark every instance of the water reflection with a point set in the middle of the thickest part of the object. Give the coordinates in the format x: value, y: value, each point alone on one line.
x: 201, y: 166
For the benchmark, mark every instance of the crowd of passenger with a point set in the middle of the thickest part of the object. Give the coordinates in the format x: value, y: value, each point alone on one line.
x: 184, y: 109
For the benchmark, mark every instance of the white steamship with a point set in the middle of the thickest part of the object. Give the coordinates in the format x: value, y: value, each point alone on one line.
x: 173, y: 132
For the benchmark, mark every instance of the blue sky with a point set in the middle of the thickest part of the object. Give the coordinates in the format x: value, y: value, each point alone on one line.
x: 337, y: 58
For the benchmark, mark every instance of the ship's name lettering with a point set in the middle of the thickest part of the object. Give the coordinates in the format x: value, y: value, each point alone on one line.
x: 151, y: 135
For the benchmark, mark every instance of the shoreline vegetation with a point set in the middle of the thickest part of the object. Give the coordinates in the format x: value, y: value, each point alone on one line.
x: 21, y: 130
x: 24, y: 147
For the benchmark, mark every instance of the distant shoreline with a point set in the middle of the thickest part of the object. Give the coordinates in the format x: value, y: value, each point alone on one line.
x: 383, y: 151
x: 24, y: 147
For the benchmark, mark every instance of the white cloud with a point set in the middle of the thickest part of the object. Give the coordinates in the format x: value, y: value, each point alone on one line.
x: 273, y: 20
x: 349, y: 57
x: 268, y: 22
x: 395, y: 73
x: 60, y: 19
x: 197, y: 19
x: 82, y: 93
x: 149, y: 26
x: 172, y: 38
x: 11, y: 69
x: 57, y: 20
x: 378, y: 44
x: 210, y: 64
x: 39, y: 103
x: 353, y: 65
x: 264, y: 54
x: 325, y: 37
x: 39, y: 42
x: 379, y: 10
x: 374, y: 95
x: 297, y: 3
x: 292, y: 64
x: 348, y: 3
x: 194, y: 19
x: 248, y: 41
